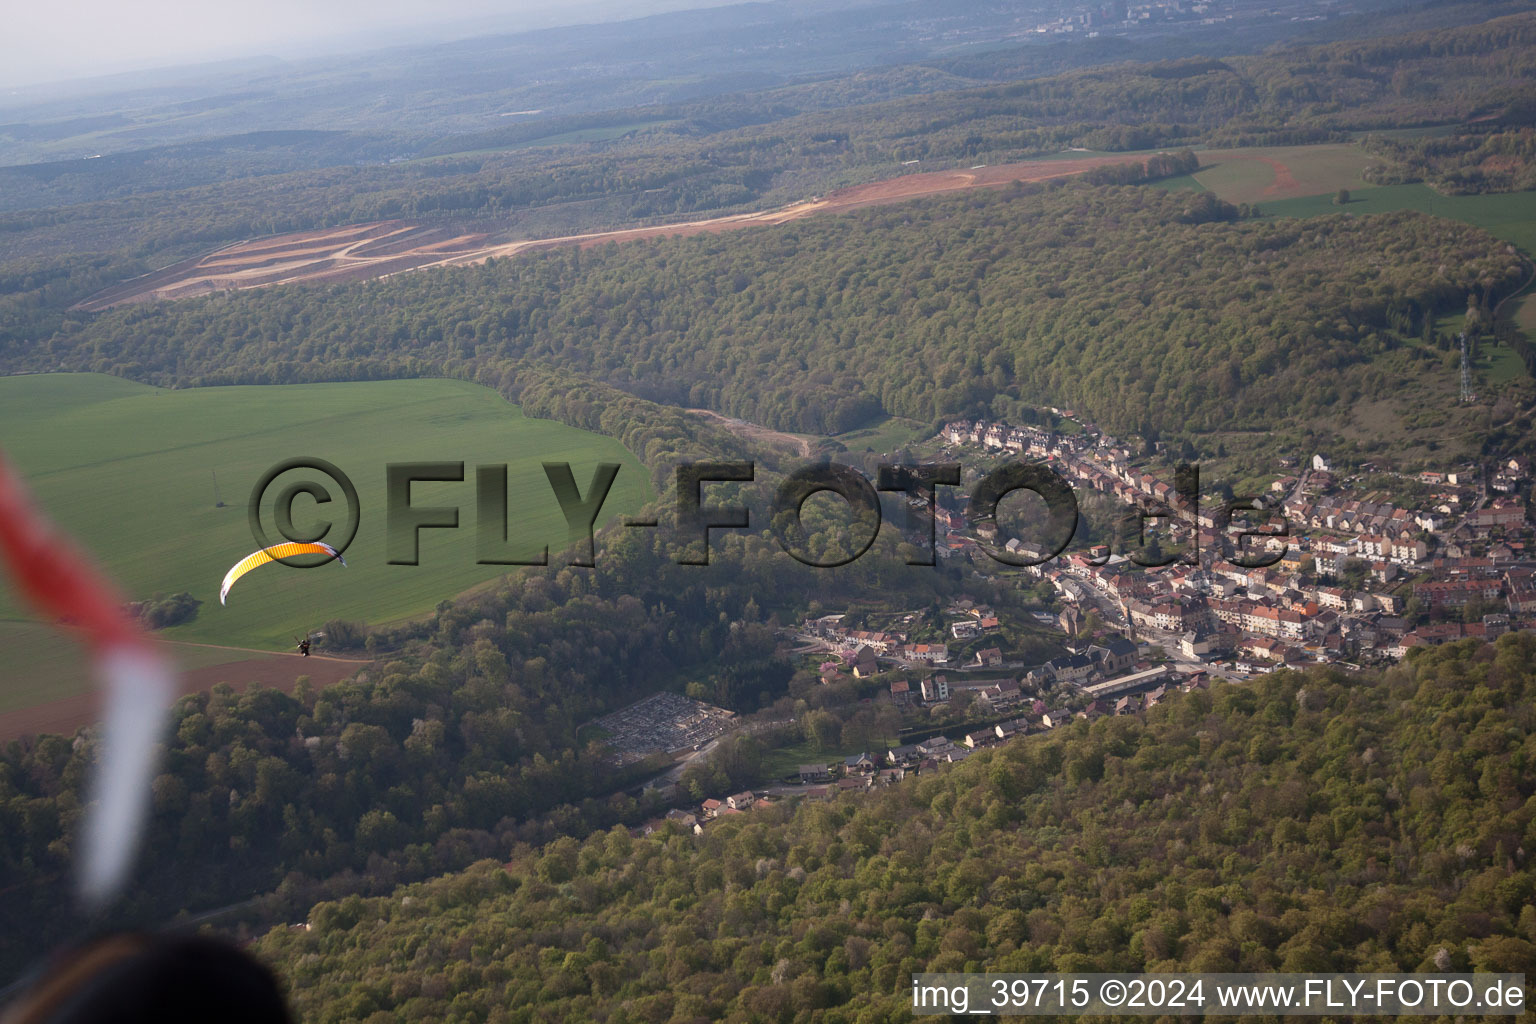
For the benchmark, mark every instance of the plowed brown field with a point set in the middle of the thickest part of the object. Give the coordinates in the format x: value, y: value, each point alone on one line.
x: 64, y: 716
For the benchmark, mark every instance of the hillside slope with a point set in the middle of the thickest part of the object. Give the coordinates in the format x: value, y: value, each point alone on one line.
x: 1309, y: 822
x: 1135, y: 305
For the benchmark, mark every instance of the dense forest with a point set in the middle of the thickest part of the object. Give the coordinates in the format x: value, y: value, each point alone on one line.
x: 1459, y: 162
x: 1308, y: 822
x: 1142, y: 307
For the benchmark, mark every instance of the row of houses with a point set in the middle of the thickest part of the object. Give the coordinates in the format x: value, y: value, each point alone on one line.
x: 1131, y: 703
x: 1269, y: 615
x: 865, y: 771
x: 1025, y: 440
x: 831, y: 629
x: 710, y: 810
x: 1039, y: 718
x: 1362, y: 518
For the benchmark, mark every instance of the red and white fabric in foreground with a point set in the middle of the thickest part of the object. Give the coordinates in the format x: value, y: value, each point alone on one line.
x: 137, y: 681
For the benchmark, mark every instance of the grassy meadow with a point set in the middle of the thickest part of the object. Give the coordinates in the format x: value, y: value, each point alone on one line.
x: 883, y: 434
x: 1248, y: 175
x: 128, y: 470
x: 1508, y: 215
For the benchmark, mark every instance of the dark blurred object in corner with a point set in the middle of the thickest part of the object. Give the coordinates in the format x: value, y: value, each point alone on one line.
x: 151, y: 979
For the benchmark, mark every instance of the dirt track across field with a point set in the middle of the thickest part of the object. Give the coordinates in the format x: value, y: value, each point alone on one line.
x: 1285, y: 183
x: 64, y: 716
x: 361, y: 251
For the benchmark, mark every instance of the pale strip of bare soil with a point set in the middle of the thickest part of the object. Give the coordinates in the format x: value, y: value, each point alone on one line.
x: 388, y: 247
x: 757, y: 432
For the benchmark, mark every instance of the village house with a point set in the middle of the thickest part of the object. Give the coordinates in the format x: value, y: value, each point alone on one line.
x: 1115, y: 654
x: 830, y: 676
x: 1171, y: 616
x: 1008, y: 730
x: 1408, y: 550
x: 1522, y: 591
x: 853, y: 639
x: 1507, y: 513
x: 1331, y: 597
x: 933, y: 654
x: 864, y: 664
x: 859, y: 763
x: 683, y: 818
x: 1456, y: 593
x: 1003, y: 695
x: 1198, y: 645
x: 935, y: 689
x: 991, y: 657
x: 964, y: 629
x: 1070, y: 668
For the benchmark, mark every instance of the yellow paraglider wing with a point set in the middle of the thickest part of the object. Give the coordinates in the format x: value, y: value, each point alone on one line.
x: 272, y: 554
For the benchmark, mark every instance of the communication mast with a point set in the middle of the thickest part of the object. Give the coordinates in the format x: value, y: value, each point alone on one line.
x: 1466, y: 373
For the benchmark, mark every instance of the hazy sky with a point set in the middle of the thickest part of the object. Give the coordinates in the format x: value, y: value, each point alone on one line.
x: 48, y: 40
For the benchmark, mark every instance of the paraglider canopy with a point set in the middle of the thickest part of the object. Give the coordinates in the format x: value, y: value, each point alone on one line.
x: 272, y: 554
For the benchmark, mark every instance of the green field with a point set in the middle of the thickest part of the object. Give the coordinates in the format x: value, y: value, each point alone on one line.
x: 607, y: 134
x: 1499, y: 364
x: 786, y: 761
x: 883, y: 435
x: 1509, y: 215
x: 1086, y: 154
x: 128, y: 470
x: 1247, y: 175
x: 1438, y: 131
x: 1525, y: 314
x: 1494, y: 364
x: 1244, y: 175
x: 1180, y: 183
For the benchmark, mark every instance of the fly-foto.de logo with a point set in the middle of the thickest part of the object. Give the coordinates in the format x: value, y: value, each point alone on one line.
x: 919, y: 484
